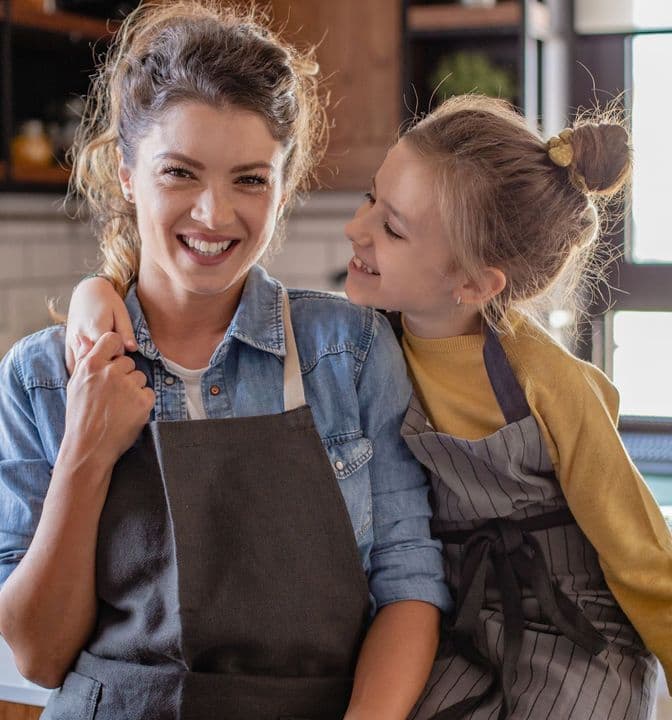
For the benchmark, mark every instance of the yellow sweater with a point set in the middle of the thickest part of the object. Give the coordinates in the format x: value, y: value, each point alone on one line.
x: 576, y: 407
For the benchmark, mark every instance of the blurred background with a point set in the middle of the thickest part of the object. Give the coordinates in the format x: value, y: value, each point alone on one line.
x: 383, y: 61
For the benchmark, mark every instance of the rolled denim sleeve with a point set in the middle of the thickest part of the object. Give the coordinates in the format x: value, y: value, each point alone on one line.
x: 406, y: 563
x: 24, y: 469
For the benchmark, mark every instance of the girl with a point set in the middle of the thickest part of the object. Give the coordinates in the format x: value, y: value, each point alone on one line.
x: 560, y: 558
x: 226, y: 559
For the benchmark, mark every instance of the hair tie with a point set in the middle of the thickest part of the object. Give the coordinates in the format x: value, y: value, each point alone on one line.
x: 560, y: 149
x: 561, y: 152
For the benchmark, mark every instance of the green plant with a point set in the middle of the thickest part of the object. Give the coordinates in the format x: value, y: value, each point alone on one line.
x: 465, y: 72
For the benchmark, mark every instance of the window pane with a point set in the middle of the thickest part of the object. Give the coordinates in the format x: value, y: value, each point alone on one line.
x: 652, y: 14
x: 643, y: 348
x: 651, y: 110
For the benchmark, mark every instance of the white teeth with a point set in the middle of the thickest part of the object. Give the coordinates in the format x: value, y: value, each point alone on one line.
x: 361, y: 265
x: 206, y: 248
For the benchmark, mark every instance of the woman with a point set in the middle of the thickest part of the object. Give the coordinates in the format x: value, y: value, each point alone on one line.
x: 205, y: 564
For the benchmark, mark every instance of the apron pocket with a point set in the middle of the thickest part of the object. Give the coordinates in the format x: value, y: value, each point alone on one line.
x: 76, y: 699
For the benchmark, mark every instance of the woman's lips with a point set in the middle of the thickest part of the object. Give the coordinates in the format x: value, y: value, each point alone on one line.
x: 207, y: 249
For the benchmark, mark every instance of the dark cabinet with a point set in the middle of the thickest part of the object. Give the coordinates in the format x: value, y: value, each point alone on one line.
x: 46, y: 60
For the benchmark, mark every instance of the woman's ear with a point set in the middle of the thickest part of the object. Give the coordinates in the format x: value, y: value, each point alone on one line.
x: 125, y: 178
x: 490, y: 283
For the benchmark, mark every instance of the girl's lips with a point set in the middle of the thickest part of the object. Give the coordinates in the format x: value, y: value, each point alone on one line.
x: 359, y: 266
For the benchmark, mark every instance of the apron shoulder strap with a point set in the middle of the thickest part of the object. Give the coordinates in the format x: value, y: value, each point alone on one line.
x: 293, y: 382
x: 508, y: 391
x: 394, y: 318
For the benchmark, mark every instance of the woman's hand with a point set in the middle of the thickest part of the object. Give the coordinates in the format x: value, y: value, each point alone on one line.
x: 107, y: 404
x: 95, y: 308
x: 48, y: 605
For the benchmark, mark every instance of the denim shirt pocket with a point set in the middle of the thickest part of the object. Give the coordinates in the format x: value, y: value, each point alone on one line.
x: 349, y: 460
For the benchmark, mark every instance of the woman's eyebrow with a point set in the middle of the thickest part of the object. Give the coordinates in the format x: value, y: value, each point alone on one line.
x: 252, y: 166
x: 180, y: 158
x: 245, y: 167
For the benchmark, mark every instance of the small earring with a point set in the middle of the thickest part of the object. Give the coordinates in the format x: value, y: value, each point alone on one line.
x: 127, y: 195
x: 459, y: 300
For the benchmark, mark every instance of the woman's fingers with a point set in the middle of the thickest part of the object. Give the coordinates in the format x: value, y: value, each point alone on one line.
x: 108, y: 347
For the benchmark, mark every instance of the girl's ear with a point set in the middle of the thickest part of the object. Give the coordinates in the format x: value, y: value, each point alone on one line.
x: 490, y: 282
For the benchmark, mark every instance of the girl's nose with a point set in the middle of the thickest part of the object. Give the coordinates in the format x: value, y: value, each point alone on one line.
x: 356, y: 229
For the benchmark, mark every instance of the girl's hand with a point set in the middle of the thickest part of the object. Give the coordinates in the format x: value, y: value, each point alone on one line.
x: 95, y: 308
x: 107, y: 403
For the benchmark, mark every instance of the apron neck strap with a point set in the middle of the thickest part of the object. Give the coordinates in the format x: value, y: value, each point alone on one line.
x: 505, y: 385
x: 293, y: 383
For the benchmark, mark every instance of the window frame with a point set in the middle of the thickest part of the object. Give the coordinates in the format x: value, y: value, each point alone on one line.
x: 630, y: 286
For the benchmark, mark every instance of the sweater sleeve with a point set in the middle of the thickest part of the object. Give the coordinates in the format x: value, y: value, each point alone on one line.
x: 577, y: 409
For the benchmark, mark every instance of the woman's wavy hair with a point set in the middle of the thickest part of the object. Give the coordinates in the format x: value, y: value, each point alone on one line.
x: 188, y: 51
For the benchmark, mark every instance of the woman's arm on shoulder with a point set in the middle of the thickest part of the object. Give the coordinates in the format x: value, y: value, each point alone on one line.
x: 95, y: 308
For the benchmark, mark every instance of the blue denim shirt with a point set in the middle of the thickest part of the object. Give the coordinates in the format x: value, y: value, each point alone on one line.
x: 355, y: 382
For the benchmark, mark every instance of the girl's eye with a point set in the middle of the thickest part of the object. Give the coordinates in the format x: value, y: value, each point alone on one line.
x: 391, y: 232
x: 177, y: 172
x: 369, y: 198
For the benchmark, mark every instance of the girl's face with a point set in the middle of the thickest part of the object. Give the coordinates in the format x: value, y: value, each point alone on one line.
x: 207, y: 188
x: 401, y: 251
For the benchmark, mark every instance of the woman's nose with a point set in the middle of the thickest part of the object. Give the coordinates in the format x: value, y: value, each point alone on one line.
x: 213, y: 209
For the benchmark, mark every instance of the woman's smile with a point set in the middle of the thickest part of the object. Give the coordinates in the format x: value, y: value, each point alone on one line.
x: 207, y: 250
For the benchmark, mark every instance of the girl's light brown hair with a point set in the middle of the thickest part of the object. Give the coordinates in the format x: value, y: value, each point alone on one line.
x: 187, y: 50
x: 506, y: 205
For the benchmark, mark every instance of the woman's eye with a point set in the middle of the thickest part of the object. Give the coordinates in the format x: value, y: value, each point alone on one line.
x: 391, y: 232
x: 369, y: 198
x: 177, y: 172
x: 258, y: 180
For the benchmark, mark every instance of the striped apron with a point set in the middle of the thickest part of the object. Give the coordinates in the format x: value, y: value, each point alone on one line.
x: 536, y: 634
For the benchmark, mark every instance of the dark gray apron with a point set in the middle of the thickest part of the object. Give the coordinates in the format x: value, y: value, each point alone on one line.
x: 228, y: 576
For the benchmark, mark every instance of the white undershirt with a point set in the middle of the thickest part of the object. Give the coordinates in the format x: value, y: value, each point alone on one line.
x: 192, y: 386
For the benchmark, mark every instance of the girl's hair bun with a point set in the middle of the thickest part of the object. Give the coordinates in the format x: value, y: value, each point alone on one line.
x: 602, y: 158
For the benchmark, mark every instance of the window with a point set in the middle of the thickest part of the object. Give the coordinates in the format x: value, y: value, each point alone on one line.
x: 637, y: 331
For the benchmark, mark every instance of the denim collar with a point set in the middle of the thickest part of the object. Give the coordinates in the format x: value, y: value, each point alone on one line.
x: 257, y: 321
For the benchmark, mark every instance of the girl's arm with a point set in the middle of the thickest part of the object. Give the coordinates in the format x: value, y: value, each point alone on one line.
x: 395, y: 661
x: 577, y: 409
x: 48, y: 603
x: 95, y: 308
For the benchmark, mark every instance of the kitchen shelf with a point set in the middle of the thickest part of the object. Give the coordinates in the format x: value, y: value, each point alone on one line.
x: 55, y: 175
x: 63, y: 23
x: 458, y: 19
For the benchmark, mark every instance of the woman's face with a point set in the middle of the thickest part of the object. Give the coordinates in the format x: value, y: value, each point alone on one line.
x: 401, y: 252
x: 207, y: 188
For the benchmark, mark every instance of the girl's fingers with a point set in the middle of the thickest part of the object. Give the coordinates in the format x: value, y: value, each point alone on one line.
x: 122, y: 325
x: 83, y: 347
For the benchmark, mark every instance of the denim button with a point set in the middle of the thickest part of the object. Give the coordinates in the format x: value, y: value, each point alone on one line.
x: 214, y: 390
x: 169, y: 380
x: 339, y: 465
